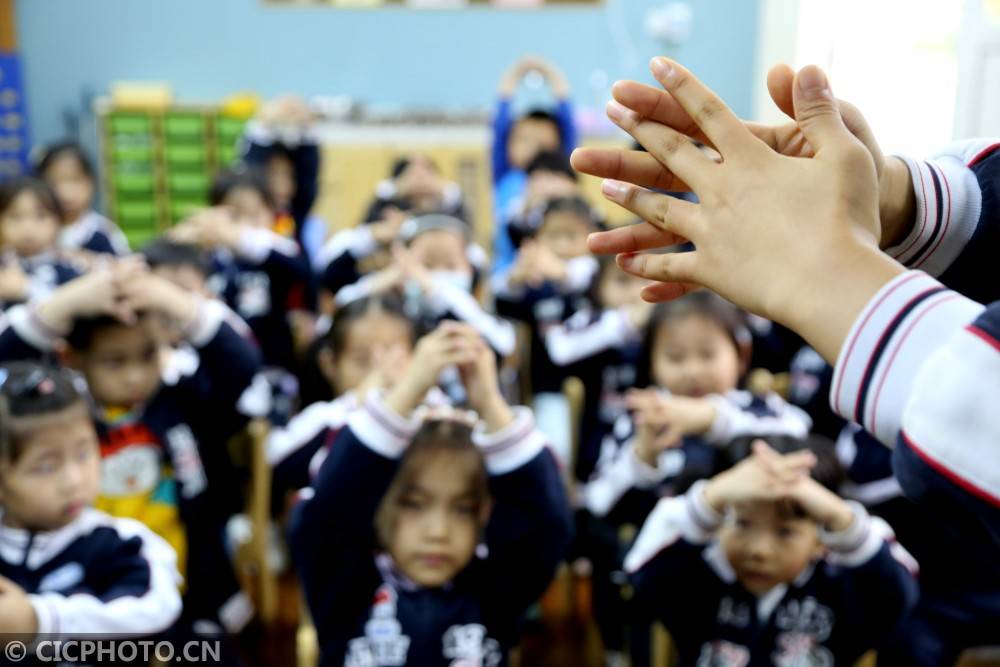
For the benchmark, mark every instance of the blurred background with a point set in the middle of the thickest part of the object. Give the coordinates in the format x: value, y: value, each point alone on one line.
x: 423, y: 74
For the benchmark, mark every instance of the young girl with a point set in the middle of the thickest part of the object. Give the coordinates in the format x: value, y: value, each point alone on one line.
x: 68, y: 171
x: 66, y: 569
x: 30, y: 218
x: 424, y: 543
x: 362, y: 349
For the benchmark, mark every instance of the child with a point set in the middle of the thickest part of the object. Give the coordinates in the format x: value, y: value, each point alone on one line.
x: 694, y: 355
x: 424, y: 544
x: 281, y: 141
x: 66, y: 569
x: 70, y: 174
x: 549, y: 282
x: 436, y: 277
x: 765, y: 565
x: 550, y: 176
x: 416, y: 187
x: 601, y: 346
x: 262, y: 275
x: 157, y: 430
x: 367, y: 341
x: 30, y: 217
x: 517, y: 142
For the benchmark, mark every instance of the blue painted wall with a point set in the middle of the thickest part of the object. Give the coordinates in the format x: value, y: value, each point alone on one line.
x: 73, y: 49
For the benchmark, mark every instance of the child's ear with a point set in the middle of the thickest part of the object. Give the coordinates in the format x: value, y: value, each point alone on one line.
x: 327, y: 366
x: 69, y: 357
x: 745, y: 352
x: 484, y: 514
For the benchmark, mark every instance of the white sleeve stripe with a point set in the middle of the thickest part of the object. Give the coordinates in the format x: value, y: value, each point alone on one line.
x: 946, y: 470
x: 917, y: 174
x: 914, y: 319
x: 939, y: 180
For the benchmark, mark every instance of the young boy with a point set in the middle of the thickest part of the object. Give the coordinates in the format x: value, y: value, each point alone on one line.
x: 436, y: 275
x: 516, y: 142
x: 764, y: 565
x: 157, y: 428
x: 550, y: 281
x: 66, y: 569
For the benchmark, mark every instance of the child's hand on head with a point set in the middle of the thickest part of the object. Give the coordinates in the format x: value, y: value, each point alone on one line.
x: 410, y: 268
x: 145, y: 291
x: 823, y: 505
x: 760, y: 476
x: 482, y: 385
x: 447, y: 345
x: 92, y: 294
x: 17, y: 616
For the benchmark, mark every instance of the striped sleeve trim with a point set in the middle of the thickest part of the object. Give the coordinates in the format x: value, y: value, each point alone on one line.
x: 904, y: 322
x: 512, y: 446
x: 948, y: 203
x: 25, y: 321
x: 380, y: 429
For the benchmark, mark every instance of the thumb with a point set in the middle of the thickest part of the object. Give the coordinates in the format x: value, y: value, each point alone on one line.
x: 780, y: 80
x: 816, y: 111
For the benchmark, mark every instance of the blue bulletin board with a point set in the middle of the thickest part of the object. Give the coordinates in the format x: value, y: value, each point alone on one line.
x: 14, y: 138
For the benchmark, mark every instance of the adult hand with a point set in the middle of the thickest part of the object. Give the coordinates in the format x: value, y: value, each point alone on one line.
x: 897, y: 202
x: 775, y: 234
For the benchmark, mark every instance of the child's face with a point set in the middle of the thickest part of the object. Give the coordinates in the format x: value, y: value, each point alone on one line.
x: 27, y: 227
x: 767, y: 548
x: 618, y: 289
x: 694, y: 356
x: 421, y: 182
x: 56, y: 476
x: 249, y: 208
x: 528, y: 138
x: 72, y: 185
x: 438, y: 250
x: 366, y: 337
x: 280, y: 176
x: 122, y: 364
x: 564, y: 233
x: 437, y: 525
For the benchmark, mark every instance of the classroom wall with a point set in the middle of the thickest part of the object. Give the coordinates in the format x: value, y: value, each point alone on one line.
x: 73, y: 49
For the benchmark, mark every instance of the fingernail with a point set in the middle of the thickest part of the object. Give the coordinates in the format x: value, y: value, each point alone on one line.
x: 813, y: 82
x: 662, y: 68
x: 616, y: 111
x: 627, y: 260
x: 613, y: 189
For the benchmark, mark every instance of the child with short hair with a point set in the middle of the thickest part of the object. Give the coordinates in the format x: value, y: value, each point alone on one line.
x: 433, y: 272
x: 156, y: 424
x: 549, y: 282
x: 601, y: 345
x: 425, y: 540
x: 69, y: 172
x: 764, y: 564
x: 68, y: 570
x: 281, y: 142
x: 30, y: 219
x: 516, y: 142
x: 415, y: 186
x: 261, y: 274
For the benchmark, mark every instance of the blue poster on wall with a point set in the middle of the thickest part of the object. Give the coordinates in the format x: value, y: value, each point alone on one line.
x: 14, y: 140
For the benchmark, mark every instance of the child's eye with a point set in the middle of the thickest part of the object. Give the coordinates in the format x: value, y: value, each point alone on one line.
x: 742, y: 524
x: 410, y: 503
x: 47, y: 468
x: 465, y: 509
x: 785, y: 533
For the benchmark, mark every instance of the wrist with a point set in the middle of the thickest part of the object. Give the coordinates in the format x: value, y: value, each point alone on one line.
x: 897, y: 203
x: 714, y: 493
x: 829, y: 295
x: 494, y: 412
x: 406, y: 396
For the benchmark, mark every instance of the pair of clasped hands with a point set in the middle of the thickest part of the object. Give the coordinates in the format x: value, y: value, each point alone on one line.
x: 787, y: 215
